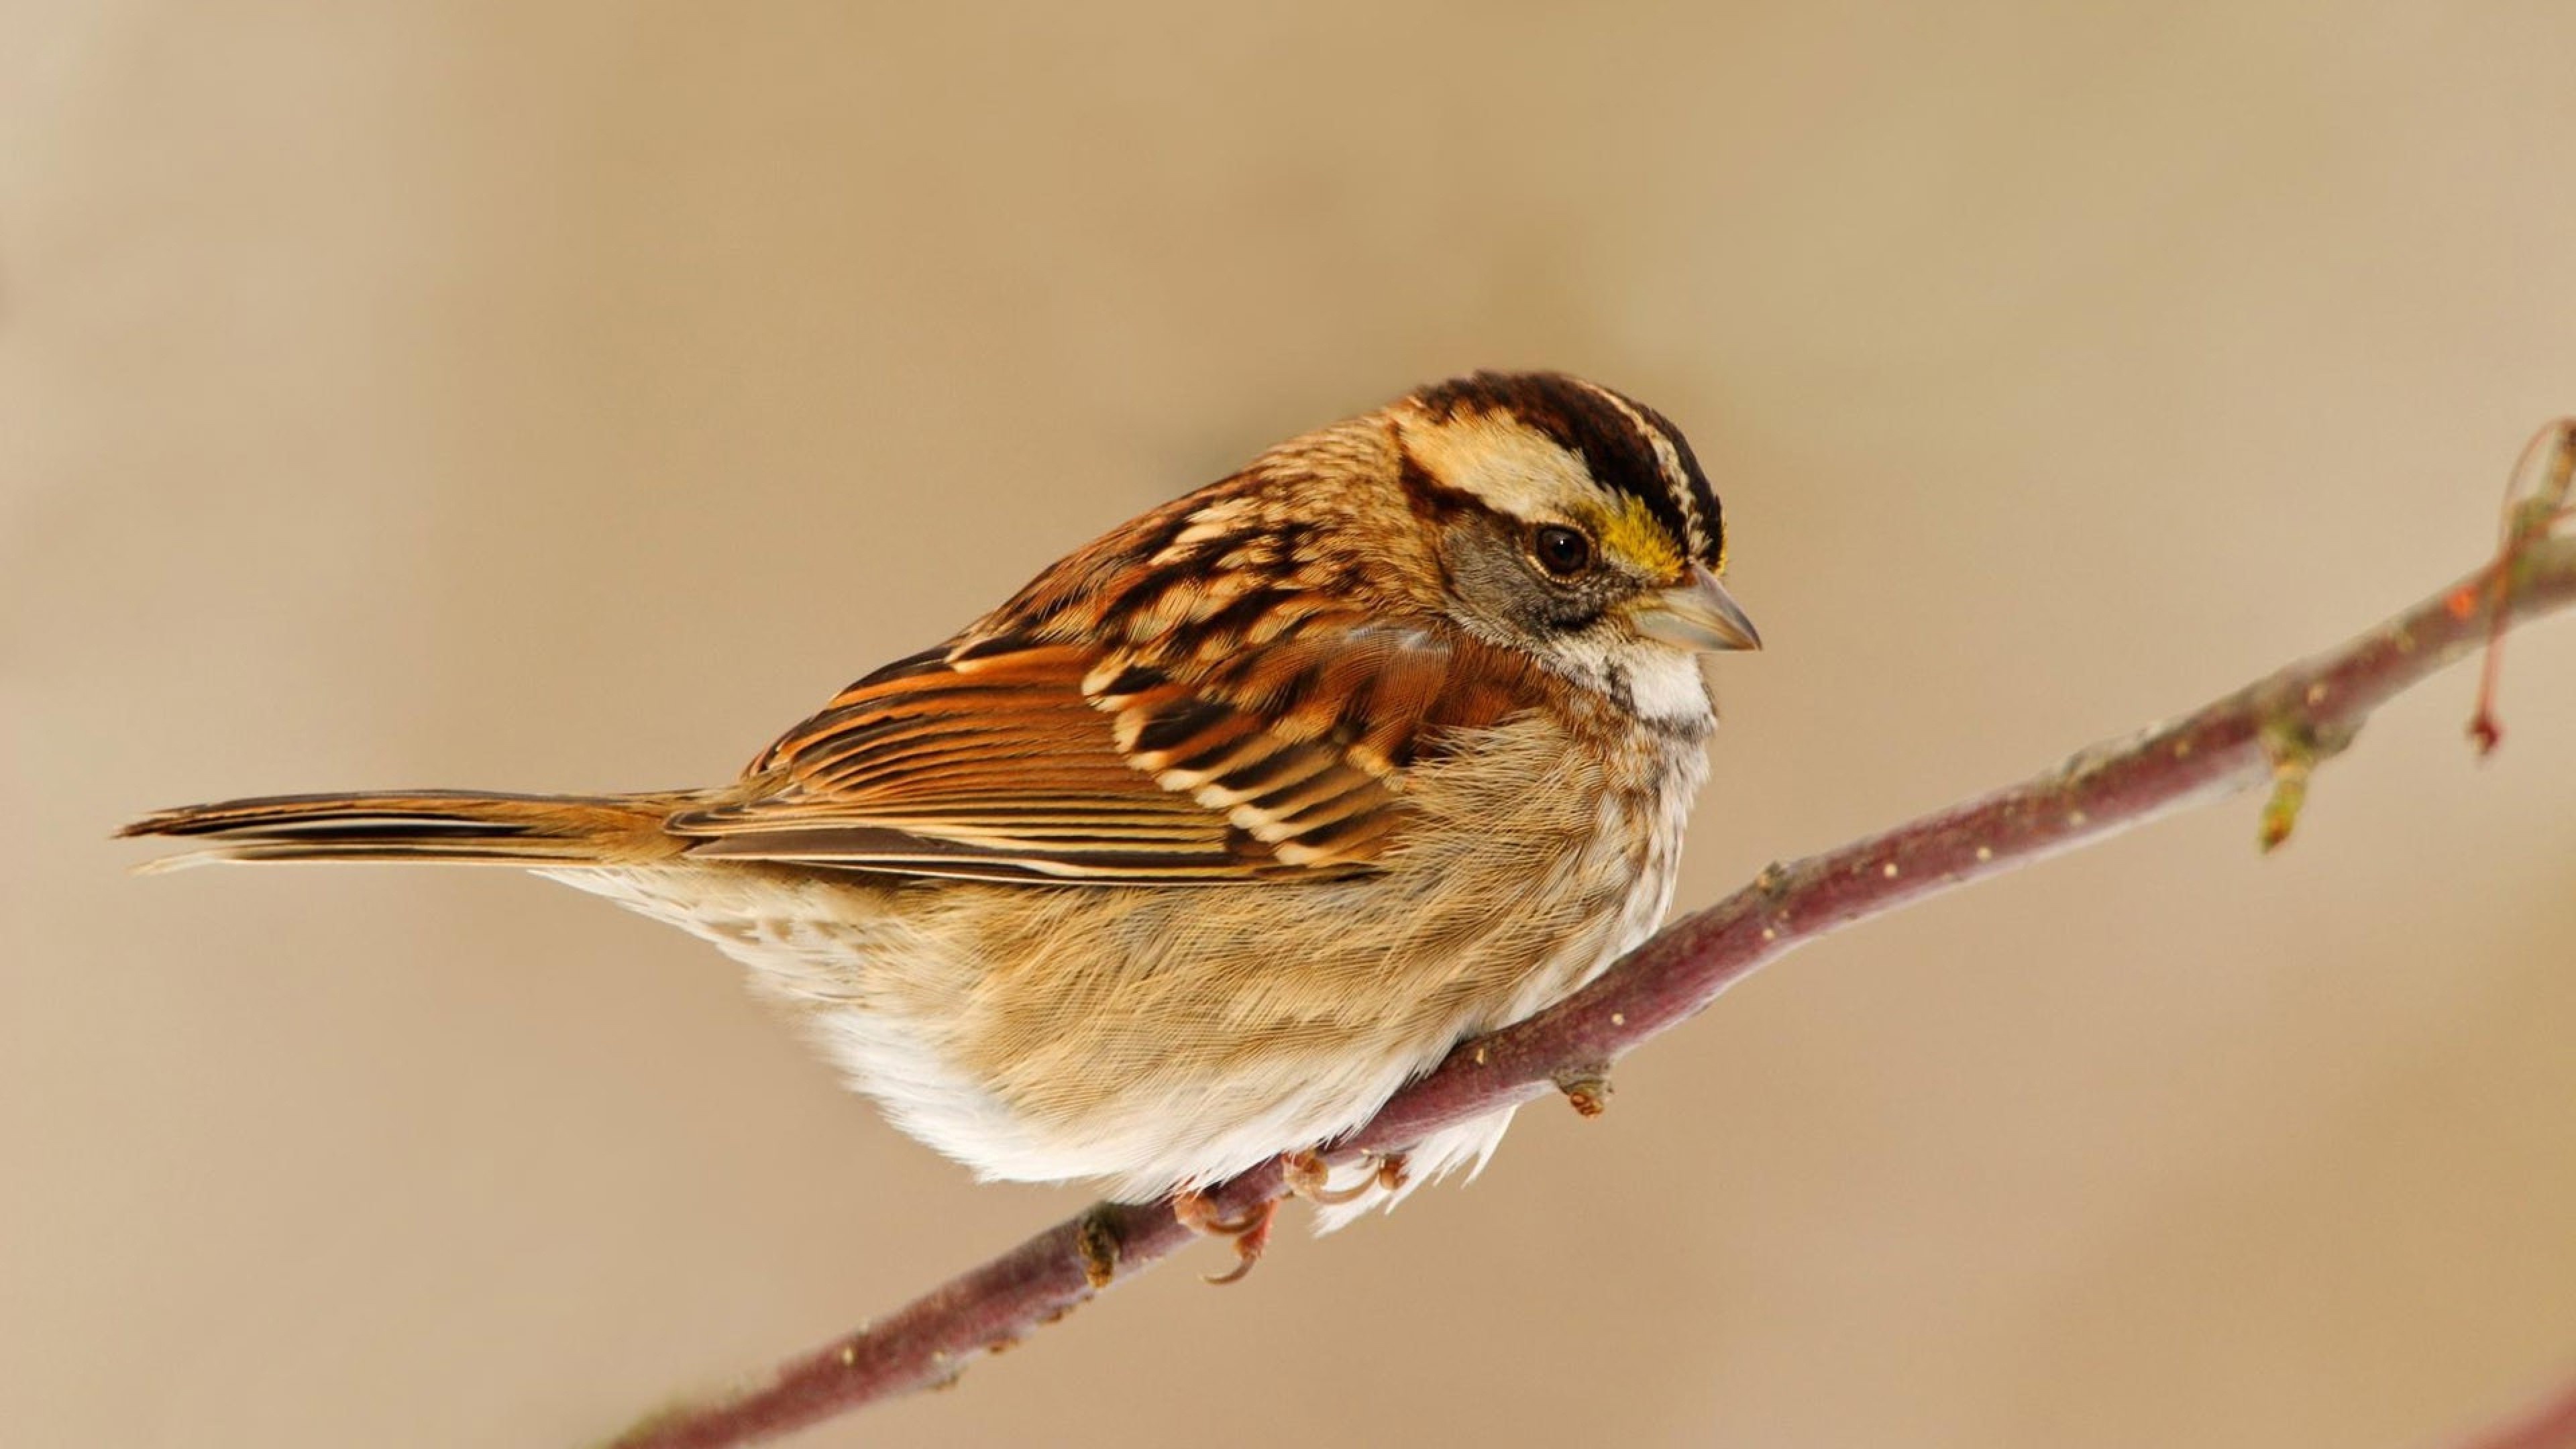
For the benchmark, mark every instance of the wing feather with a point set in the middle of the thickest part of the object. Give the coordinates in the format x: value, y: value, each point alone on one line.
x: 1024, y: 759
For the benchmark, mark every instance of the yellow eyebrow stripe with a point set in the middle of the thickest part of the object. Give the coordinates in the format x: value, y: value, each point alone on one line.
x: 1630, y: 532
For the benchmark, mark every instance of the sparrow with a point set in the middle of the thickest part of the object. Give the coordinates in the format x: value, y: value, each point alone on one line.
x: 1223, y: 828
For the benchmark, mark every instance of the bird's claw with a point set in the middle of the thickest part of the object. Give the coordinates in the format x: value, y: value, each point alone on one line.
x: 1308, y: 1175
x: 1249, y: 1230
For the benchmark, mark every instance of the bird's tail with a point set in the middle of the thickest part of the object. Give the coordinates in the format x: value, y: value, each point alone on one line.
x: 448, y: 826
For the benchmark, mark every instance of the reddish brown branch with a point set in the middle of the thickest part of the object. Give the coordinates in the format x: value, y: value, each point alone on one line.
x: 2550, y: 1424
x: 2275, y: 729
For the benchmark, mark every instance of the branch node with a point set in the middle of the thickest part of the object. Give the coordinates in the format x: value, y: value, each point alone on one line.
x: 2289, y: 796
x: 1096, y: 1240
x: 2296, y: 745
x: 1586, y: 1087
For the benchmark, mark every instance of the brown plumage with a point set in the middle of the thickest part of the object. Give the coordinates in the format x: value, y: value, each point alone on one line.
x: 456, y: 827
x: 1205, y: 841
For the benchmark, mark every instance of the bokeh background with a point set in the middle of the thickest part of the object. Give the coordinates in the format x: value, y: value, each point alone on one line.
x: 572, y: 396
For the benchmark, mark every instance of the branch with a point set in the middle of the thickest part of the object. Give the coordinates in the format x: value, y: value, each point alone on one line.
x: 2550, y: 1424
x: 2277, y: 729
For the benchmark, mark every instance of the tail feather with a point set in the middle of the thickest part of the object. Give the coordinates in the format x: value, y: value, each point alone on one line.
x: 425, y: 825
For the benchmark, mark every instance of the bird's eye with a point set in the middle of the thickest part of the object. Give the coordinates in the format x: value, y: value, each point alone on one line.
x: 1562, y: 551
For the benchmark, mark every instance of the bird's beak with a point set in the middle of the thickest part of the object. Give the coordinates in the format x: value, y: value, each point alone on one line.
x: 1697, y: 613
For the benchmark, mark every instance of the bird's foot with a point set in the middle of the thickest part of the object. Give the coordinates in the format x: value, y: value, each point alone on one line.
x: 1249, y: 1230
x: 1394, y: 1170
x: 1308, y: 1175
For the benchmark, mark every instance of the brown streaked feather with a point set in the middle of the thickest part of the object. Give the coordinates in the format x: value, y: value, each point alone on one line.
x: 455, y: 826
x: 1014, y: 758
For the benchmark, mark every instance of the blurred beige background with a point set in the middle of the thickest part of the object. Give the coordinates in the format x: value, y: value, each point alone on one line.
x: 573, y: 396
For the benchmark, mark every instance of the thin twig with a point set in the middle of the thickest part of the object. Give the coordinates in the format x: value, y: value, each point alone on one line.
x: 2276, y: 729
x: 2536, y: 500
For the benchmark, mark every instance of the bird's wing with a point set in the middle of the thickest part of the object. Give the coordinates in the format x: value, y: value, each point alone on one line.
x: 1014, y: 758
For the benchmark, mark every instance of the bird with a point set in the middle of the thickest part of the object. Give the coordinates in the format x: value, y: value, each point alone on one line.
x: 1222, y: 829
